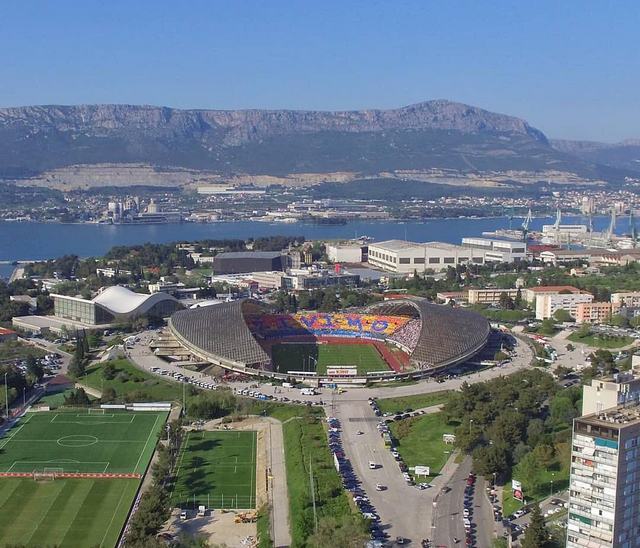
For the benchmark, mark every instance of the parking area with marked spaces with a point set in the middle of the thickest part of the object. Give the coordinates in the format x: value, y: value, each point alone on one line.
x: 81, y: 442
x: 217, y: 469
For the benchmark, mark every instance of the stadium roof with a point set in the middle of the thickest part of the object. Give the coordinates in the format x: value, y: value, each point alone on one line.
x: 220, y: 333
x: 448, y: 335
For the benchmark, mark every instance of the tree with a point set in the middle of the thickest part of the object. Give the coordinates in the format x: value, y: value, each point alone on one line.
x: 490, y: 459
x: 109, y: 371
x: 77, y: 397
x: 506, y: 302
x: 109, y: 394
x: 34, y: 368
x: 536, y: 535
x: 563, y: 315
x: 547, y: 327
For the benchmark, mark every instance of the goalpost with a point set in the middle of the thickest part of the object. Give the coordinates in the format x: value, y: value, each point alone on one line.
x: 47, y: 474
x: 92, y: 411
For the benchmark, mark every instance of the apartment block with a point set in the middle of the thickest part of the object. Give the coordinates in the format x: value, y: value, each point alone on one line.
x: 604, y: 486
x: 490, y: 296
x: 547, y: 305
x: 596, y: 312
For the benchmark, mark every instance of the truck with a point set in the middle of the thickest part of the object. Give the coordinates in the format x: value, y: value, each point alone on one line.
x: 308, y: 391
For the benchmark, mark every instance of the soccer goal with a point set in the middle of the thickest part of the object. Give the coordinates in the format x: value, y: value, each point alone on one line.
x: 47, y: 474
x: 96, y: 411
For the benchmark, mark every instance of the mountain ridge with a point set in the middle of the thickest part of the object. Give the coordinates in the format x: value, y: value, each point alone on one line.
x: 430, y: 135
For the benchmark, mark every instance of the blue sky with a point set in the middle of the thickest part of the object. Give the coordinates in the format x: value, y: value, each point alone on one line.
x: 571, y: 68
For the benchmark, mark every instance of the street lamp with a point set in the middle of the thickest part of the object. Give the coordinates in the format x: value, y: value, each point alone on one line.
x: 6, y: 393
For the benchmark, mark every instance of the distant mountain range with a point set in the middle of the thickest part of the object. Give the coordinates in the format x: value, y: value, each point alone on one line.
x: 434, y: 135
x: 624, y: 155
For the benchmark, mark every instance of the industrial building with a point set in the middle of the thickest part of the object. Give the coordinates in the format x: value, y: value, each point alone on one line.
x: 347, y: 252
x: 496, y: 250
x: 406, y: 257
x: 235, y: 262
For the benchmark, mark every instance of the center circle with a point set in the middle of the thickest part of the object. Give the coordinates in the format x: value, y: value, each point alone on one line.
x: 78, y: 440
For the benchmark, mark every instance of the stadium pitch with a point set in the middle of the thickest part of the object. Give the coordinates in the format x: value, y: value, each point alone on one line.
x: 305, y: 356
x: 79, y: 442
x: 67, y: 512
x: 218, y: 470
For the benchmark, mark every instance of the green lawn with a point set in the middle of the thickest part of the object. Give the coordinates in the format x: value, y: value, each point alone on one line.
x: 305, y: 443
x: 295, y: 357
x: 553, y: 478
x: 217, y: 469
x: 77, y: 441
x: 397, y: 405
x: 420, y: 441
x: 133, y: 383
x: 601, y: 341
x: 64, y: 512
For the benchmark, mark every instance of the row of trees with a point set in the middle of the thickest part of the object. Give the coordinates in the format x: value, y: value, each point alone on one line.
x: 323, y: 300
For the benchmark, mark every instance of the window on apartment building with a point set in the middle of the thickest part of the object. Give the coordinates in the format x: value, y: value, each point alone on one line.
x: 449, y: 260
x: 418, y: 260
x: 434, y: 260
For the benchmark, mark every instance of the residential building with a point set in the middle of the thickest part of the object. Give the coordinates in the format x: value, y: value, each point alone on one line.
x: 531, y: 293
x: 607, y: 392
x: 497, y: 250
x: 547, y: 305
x: 605, y: 479
x: 7, y: 335
x: 167, y: 287
x: 490, y: 296
x: 596, y: 312
x: 628, y: 298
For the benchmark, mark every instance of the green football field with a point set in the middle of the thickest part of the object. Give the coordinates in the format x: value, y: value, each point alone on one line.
x: 302, y: 357
x: 65, y: 513
x: 217, y: 469
x: 79, y: 441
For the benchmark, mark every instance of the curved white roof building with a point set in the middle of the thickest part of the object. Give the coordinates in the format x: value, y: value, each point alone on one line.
x: 114, y: 304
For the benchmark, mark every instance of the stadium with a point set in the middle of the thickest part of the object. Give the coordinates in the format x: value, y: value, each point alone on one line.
x: 394, y: 338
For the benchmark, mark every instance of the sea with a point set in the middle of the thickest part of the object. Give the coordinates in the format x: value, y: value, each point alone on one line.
x: 24, y: 241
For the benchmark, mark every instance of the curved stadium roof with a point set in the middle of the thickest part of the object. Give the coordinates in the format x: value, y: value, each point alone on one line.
x: 448, y: 335
x: 220, y: 333
x: 122, y: 301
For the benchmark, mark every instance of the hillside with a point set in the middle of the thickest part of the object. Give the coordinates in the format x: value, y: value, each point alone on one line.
x: 426, y: 136
x: 623, y: 155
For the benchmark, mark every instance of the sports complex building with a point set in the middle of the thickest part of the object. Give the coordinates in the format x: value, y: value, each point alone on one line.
x: 407, y: 337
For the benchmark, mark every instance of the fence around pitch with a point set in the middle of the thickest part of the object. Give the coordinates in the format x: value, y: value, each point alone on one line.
x: 219, y: 502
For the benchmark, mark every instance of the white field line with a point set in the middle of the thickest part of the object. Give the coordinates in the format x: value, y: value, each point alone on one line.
x: 146, y: 443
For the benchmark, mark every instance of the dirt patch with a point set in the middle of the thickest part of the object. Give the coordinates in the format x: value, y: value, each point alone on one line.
x: 219, y: 527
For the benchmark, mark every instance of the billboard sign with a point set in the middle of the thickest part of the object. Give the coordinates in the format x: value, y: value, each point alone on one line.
x: 422, y: 471
x: 516, y: 488
x: 344, y: 371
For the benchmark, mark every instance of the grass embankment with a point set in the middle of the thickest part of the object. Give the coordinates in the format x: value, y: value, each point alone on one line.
x: 541, y: 482
x: 264, y: 529
x: 601, y: 341
x: 305, y: 441
x: 132, y: 383
x: 16, y: 350
x: 398, y: 405
x: 419, y: 441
